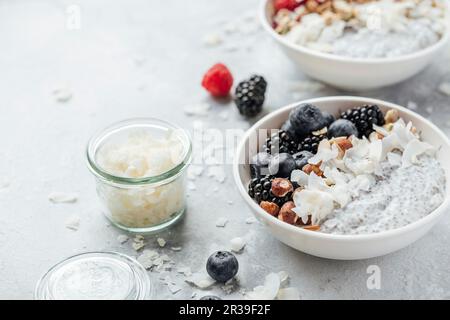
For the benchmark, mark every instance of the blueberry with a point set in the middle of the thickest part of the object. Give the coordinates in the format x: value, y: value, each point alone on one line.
x: 210, y: 298
x: 301, y: 158
x: 281, y: 165
x: 222, y: 266
x: 342, y: 128
x: 287, y: 126
x: 329, y: 118
x: 258, y: 163
x: 305, y: 119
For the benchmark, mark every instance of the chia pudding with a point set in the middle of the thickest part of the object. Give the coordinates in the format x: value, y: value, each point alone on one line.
x: 400, y: 196
x: 365, y: 28
x: 368, y: 171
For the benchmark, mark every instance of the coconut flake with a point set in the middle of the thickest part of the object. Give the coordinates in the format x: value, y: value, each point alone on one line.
x: 445, y: 88
x: 221, y: 222
x: 250, y: 220
x: 414, y: 149
x: 63, y: 197
x: 161, y: 242
x: 268, y: 291
x: 73, y: 223
x: 200, y: 109
x: 121, y: 238
x: 200, y: 280
x: 300, y: 177
x: 237, y: 244
x: 288, y: 294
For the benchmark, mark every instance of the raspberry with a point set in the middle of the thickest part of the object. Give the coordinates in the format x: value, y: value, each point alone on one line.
x: 286, y: 4
x: 218, y: 80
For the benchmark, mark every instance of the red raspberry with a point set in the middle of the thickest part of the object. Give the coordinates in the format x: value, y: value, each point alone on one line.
x: 286, y: 4
x: 218, y: 80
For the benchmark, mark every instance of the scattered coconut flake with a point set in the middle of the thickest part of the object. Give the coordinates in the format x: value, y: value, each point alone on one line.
x: 394, y: 159
x: 73, y: 223
x: 194, y: 171
x: 191, y: 186
x: 288, y: 294
x: 230, y: 202
x: 411, y: 105
x: 147, y: 258
x: 138, y: 242
x: 429, y: 110
x: 212, y: 40
x: 121, y: 238
x: 139, y: 60
x: 224, y: 115
x: 4, y: 184
x: 173, y: 288
x: 217, y: 172
x: 161, y: 242
x: 221, y: 222
x: 306, y: 86
x: 63, y: 197
x: 199, y: 109
x: 186, y: 271
x: 284, y: 277
x: 250, y: 220
x: 237, y: 244
x: 445, y: 88
x: 176, y: 248
x: 200, y: 280
x: 62, y: 94
x: 268, y: 291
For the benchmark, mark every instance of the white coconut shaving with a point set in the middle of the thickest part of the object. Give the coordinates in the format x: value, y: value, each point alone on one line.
x: 161, y: 242
x: 62, y: 94
x: 268, y: 291
x: 121, y: 238
x: 73, y: 223
x: 217, y: 173
x: 288, y: 294
x: 237, y: 244
x: 63, y: 197
x: 200, y: 280
x: 199, y: 109
x: 221, y: 222
x: 445, y: 88
x: 345, y: 177
x: 212, y: 40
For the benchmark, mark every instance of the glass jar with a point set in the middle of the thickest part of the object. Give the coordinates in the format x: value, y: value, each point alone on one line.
x: 138, y: 198
x: 95, y: 276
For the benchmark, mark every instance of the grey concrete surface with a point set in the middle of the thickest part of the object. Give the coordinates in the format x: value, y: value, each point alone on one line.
x: 43, y: 141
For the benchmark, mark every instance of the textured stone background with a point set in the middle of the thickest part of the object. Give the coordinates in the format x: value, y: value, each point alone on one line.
x: 43, y: 141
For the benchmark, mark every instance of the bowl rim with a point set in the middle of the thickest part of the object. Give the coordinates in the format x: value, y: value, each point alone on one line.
x: 337, y: 58
x: 320, y: 235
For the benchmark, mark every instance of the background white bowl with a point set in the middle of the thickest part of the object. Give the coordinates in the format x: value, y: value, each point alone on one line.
x: 344, y: 247
x: 351, y: 73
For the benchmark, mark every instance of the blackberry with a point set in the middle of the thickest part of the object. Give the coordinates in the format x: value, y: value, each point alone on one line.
x: 310, y: 143
x: 280, y: 142
x: 364, y: 117
x: 259, y: 190
x: 250, y: 95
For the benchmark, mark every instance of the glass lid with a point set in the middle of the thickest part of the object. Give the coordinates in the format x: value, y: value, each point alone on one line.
x: 95, y: 276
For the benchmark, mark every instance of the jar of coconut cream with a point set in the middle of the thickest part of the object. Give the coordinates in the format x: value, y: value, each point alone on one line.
x: 140, y: 170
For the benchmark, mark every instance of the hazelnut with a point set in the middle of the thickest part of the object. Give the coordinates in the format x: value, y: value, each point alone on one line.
x: 300, y: 222
x: 270, y: 207
x: 391, y: 116
x: 281, y: 187
x: 311, y: 5
x: 286, y: 214
x: 312, y: 168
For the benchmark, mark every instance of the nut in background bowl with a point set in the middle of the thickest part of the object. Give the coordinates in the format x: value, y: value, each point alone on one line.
x: 342, y: 247
x: 354, y: 74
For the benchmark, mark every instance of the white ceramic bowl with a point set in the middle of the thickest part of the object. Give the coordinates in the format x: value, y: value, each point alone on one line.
x: 343, y: 247
x: 354, y: 74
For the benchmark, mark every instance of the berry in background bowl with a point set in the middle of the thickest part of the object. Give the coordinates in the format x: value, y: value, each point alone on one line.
x: 375, y: 185
x: 358, y: 45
